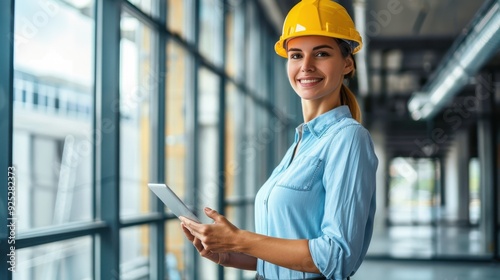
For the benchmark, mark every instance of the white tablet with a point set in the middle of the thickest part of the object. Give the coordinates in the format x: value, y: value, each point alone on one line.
x: 172, y: 201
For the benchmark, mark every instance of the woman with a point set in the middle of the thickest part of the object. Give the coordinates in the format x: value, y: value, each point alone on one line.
x: 314, y: 215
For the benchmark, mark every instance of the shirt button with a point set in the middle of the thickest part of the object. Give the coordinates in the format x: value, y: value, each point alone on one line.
x: 265, y: 201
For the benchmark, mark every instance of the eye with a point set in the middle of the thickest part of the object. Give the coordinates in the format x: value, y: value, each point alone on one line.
x: 322, y: 54
x: 294, y: 56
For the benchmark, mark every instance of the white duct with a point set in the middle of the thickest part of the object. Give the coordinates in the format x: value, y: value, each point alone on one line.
x: 466, y: 57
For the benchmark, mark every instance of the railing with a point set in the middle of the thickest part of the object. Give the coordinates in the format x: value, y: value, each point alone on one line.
x: 55, y: 98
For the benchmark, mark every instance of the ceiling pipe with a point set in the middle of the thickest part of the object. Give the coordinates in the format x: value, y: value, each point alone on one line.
x: 464, y: 59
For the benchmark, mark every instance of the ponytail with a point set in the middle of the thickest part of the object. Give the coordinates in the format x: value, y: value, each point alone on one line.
x: 346, y: 95
x: 348, y: 98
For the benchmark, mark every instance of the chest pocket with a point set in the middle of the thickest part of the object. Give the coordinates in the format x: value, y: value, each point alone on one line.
x: 301, y: 174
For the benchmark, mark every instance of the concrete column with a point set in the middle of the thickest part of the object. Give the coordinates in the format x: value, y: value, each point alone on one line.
x: 496, y: 99
x: 457, y: 180
x: 463, y: 177
x: 378, y: 137
x: 485, y: 135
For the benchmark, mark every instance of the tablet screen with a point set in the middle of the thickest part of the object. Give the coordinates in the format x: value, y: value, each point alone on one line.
x: 172, y: 201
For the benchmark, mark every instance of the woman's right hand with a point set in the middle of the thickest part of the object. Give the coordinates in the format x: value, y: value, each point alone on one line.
x: 218, y: 258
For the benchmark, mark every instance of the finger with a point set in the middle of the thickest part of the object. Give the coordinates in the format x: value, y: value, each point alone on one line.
x: 188, y: 233
x: 197, y: 244
x: 191, y: 225
x: 200, y: 247
x: 212, y: 214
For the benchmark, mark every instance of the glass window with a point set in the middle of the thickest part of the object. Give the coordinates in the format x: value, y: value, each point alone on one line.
x: 412, y: 195
x: 176, y: 139
x: 138, y: 82
x: 241, y: 217
x: 53, y: 109
x: 263, y: 139
x: 249, y: 147
x: 211, y: 13
x: 134, y: 253
x: 176, y: 251
x: 233, y: 136
x: 474, y: 191
x: 208, y: 125
x: 230, y: 42
x: 419, y: 219
x: 70, y: 259
x: 253, y: 51
x: 208, y: 129
x: 403, y: 179
x: 149, y: 7
x: 237, y: 39
x: 176, y: 18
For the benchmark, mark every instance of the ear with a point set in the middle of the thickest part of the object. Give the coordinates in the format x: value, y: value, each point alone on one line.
x: 349, y: 65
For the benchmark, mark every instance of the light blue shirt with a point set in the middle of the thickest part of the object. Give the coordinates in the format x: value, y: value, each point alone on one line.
x: 325, y: 194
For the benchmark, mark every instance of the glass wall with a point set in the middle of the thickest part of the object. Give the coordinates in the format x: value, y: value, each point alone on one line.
x: 138, y: 82
x: 53, y: 109
x: 135, y: 262
x: 69, y: 259
x: 435, y: 206
x: 111, y: 95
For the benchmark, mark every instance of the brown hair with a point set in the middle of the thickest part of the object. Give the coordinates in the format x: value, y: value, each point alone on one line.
x: 347, y: 97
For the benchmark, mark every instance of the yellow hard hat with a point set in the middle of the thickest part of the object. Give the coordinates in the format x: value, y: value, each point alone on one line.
x: 319, y: 17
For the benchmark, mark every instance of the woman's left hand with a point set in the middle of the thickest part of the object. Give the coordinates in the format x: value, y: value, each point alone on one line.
x: 217, y: 237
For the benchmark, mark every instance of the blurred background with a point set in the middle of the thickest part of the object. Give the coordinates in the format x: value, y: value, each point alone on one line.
x: 100, y: 97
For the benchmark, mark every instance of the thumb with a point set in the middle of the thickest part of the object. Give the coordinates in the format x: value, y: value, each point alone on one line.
x: 211, y: 213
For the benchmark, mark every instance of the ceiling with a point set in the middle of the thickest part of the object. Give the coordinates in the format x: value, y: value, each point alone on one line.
x: 405, y: 42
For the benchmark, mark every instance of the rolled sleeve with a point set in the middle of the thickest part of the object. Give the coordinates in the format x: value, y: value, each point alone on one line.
x: 347, y: 225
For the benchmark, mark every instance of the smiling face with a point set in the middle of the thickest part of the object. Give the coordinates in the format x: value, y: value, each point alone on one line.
x: 316, y: 69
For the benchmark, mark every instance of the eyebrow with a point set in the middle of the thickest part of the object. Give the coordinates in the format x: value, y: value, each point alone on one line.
x: 315, y: 48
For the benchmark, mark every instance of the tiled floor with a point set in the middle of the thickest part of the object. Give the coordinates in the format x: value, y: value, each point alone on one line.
x: 420, y: 270
x: 428, y: 241
x: 425, y: 242
x: 409, y: 253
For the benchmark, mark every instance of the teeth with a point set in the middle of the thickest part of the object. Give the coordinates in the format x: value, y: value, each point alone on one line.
x: 309, y: 81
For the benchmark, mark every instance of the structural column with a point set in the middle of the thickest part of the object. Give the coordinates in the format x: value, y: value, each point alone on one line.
x: 456, y: 180
x: 107, y: 145
x: 486, y: 154
x: 496, y: 164
x: 8, y: 184
x: 463, y: 177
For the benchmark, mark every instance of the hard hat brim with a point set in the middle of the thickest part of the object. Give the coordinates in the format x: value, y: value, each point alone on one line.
x: 280, y: 46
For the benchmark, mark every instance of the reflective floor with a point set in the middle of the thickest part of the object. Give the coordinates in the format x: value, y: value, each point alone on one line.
x: 410, y: 253
x: 426, y: 242
x: 423, y: 270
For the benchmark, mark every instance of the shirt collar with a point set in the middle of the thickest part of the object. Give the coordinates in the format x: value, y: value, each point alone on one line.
x: 319, y: 125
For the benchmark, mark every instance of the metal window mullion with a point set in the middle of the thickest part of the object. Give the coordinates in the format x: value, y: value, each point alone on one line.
x: 6, y: 123
x: 141, y: 16
x: 54, y: 234
x: 222, y: 126
x: 157, y: 246
x: 192, y: 159
x: 108, y: 124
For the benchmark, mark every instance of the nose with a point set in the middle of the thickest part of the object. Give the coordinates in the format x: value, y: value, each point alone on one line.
x: 307, y: 65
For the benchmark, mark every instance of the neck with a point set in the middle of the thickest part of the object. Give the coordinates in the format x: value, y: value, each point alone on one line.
x: 312, y: 108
